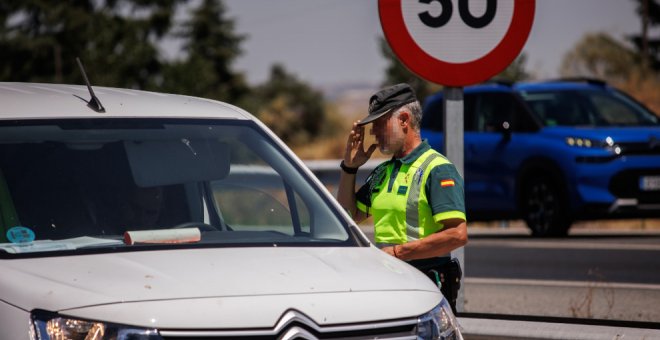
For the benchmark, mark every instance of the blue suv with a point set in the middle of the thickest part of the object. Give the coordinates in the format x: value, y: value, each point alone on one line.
x: 555, y: 152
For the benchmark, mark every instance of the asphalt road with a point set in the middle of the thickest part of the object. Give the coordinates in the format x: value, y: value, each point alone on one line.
x: 621, y: 258
x: 593, y: 273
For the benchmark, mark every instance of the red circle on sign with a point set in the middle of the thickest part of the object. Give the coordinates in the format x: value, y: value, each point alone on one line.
x: 455, y: 74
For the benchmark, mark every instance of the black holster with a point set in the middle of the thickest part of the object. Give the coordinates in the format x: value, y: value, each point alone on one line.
x: 444, y: 272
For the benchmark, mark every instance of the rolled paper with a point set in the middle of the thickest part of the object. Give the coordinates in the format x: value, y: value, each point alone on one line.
x: 185, y: 235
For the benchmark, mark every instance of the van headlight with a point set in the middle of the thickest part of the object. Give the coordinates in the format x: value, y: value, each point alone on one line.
x: 439, y: 323
x: 52, y: 326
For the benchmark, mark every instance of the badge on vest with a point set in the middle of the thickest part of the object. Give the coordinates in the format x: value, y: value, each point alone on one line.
x: 447, y: 183
x: 402, y: 190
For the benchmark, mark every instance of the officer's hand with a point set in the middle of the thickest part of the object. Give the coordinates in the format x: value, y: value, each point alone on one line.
x: 389, y: 251
x: 355, y: 155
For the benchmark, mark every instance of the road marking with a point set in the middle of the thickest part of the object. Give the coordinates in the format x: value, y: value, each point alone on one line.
x: 557, y: 283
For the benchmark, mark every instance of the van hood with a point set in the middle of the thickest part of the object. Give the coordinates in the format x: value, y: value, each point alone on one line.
x: 206, y: 276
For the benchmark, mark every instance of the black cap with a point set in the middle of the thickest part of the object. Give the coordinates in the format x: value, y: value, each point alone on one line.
x: 388, y: 99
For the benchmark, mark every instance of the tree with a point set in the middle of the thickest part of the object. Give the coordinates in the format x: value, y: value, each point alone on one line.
x: 515, y: 71
x: 290, y: 107
x: 396, y: 73
x: 648, y: 47
x: 116, y: 40
x: 211, y: 47
x: 598, y: 55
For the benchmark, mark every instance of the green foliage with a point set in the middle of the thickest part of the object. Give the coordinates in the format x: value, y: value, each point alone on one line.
x: 118, y: 42
x: 396, y: 73
x: 652, y: 13
x: 115, y: 40
x: 515, y: 71
x: 290, y: 107
x: 211, y: 47
x: 601, y: 56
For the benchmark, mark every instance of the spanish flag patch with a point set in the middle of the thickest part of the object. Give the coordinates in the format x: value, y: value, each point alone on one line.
x: 447, y: 183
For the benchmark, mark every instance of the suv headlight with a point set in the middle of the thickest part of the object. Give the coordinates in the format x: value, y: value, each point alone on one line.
x: 592, y: 143
x: 583, y: 142
x: 52, y: 326
x: 439, y: 323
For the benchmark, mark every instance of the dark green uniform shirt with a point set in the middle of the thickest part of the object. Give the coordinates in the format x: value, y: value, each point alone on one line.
x: 385, y: 194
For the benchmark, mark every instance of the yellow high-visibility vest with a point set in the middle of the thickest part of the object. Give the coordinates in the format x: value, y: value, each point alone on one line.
x: 400, y: 208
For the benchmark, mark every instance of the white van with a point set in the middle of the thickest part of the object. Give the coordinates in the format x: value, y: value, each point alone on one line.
x: 143, y: 215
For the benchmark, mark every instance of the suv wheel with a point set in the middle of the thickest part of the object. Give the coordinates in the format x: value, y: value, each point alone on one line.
x: 544, y: 209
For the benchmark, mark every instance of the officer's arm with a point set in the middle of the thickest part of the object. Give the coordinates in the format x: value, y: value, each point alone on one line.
x: 354, y: 156
x: 452, y: 236
x: 346, y: 197
x: 444, y: 188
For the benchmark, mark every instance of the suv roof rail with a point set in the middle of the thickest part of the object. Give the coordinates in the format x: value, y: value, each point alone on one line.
x: 588, y: 80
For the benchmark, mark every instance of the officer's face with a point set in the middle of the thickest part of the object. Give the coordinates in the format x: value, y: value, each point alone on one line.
x: 388, y: 133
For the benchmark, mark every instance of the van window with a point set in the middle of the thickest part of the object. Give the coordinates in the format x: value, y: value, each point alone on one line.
x: 74, y: 182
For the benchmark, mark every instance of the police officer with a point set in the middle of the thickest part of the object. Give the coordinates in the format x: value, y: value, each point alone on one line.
x: 416, y: 198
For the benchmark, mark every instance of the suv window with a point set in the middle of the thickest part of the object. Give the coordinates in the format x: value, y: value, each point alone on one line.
x: 433, y: 115
x: 487, y: 112
x: 484, y: 112
x: 586, y: 108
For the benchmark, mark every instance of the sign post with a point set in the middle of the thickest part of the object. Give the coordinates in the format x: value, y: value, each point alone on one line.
x: 456, y: 43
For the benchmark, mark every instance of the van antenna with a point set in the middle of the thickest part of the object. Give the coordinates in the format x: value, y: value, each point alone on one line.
x: 94, y: 103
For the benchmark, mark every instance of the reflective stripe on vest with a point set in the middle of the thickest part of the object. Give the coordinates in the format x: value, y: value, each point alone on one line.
x: 412, y: 204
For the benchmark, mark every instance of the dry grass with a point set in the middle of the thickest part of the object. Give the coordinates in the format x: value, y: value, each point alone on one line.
x: 330, y: 148
x: 644, y: 88
x: 333, y: 145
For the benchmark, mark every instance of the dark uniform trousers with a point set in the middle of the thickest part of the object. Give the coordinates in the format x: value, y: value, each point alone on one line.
x: 445, y: 272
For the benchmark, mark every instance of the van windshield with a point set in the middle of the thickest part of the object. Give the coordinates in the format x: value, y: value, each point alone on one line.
x: 100, y: 185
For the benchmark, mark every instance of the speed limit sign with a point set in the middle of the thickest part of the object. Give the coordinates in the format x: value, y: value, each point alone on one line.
x: 456, y: 42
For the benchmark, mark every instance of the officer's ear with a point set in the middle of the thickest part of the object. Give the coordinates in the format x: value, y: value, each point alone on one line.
x: 404, y: 118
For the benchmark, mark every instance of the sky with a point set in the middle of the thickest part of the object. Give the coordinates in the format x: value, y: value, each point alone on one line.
x: 335, y: 42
